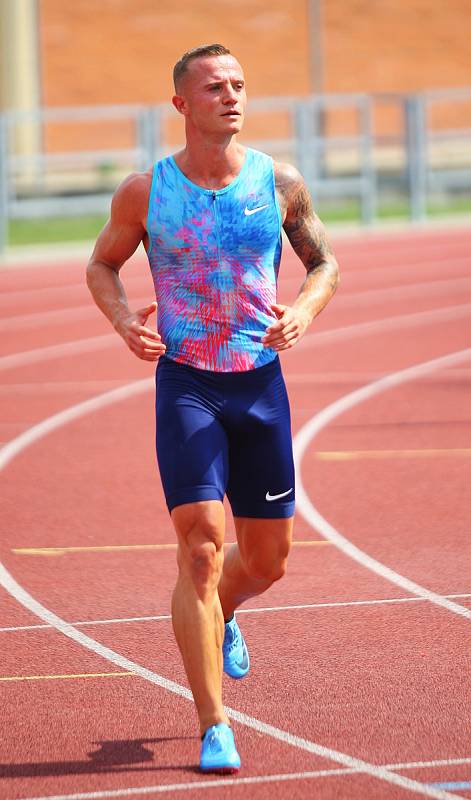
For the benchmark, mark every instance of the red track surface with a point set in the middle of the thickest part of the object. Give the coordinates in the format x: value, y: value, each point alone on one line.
x: 384, y: 683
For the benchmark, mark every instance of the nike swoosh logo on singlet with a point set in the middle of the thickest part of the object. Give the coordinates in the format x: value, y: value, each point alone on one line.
x: 270, y: 497
x: 249, y: 211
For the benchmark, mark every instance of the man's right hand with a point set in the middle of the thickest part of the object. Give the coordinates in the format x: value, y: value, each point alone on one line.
x: 144, y: 342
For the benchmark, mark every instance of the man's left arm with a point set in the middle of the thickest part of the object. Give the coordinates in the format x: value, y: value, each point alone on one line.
x: 308, y: 238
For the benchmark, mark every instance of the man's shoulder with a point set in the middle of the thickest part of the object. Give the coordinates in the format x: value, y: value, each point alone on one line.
x: 135, y: 184
x: 132, y: 195
x: 287, y: 177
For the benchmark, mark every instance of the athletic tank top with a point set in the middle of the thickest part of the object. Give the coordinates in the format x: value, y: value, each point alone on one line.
x: 214, y: 257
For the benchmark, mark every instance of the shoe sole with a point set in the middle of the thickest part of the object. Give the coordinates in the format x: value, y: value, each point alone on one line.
x: 220, y: 770
x: 236, y: 677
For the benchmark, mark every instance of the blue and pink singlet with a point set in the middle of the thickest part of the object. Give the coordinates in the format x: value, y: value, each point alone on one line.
x: 214, y: 257
x: 223, y: 418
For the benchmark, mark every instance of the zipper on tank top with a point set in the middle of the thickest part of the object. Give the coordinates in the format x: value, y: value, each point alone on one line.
x: 216, y: 226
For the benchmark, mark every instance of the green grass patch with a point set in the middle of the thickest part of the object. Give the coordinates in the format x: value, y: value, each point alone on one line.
x: 350, y: 211
x: 86, y: 228
x: 55, y: 229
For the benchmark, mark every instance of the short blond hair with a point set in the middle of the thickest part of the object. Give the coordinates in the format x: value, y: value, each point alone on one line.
x: 197, y: 52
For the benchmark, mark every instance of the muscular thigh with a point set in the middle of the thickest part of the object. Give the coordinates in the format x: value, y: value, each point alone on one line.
x: 192, y: 448
x: 261, y: 469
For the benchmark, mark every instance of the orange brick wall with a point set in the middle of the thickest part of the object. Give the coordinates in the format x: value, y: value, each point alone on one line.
x: 118, y: 51
x: 396, y: 45
x: 123, y: 51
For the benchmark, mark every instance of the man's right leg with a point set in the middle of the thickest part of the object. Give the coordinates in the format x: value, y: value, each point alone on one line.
x: 196, y: 610
x: 192, y: 455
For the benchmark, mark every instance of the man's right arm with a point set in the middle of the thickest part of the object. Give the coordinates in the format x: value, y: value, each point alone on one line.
x: 116, y: 243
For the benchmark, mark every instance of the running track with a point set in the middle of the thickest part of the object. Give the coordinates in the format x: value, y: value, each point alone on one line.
x: 360, y: 683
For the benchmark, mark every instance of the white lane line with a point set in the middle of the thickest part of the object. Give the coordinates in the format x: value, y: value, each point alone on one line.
x: 256, y: 779
x: 85, y: 623
x: 265, y: 610
x: 134, y: 283
x: 304, y: 505
x: 57, y: 316
x: 441, y: 762
x: 52, y: 387
x: 68, y: 314
x: 29, y: 602
x: 283, y: 736
x: 426, y: 253
x: 36, y: 432
x: 54, y: 317
x: 416, y: 319
x: 221, y: 782
x: 366, y: 377
x: 428, y: 256
x: 401, y: 291
x: 62, y: 350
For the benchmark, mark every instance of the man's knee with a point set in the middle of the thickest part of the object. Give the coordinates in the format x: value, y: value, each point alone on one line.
x: 264, y: 546
x: 200, y: 530
x: 266, y: 567
x: 204, y: 562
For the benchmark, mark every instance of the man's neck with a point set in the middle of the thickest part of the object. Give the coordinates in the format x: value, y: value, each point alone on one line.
x: 211, y: 164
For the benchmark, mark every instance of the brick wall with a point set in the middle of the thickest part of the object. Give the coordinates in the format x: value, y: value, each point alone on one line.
x: 123, y: 51
x: 114, y: 51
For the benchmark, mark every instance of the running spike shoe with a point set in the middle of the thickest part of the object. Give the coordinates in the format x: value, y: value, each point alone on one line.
x: 234, y: 651
x: 218, y: 751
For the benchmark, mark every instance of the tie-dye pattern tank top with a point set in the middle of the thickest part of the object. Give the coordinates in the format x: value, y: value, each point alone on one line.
x: 214, y: 257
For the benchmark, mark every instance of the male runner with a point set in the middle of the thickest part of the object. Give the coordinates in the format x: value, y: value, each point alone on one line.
x: 210, y: 218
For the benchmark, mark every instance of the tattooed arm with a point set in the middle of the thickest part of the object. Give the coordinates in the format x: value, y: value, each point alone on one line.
x: 307, y: 236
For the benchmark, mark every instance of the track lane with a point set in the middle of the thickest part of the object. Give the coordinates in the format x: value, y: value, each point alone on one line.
x: 332, y: 392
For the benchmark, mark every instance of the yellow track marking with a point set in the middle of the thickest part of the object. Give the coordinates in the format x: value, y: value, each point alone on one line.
x: 352, y: 455
x: 60, y: 551
x: 66, y: 677
x: 309, y: 542
x: 111, y: 548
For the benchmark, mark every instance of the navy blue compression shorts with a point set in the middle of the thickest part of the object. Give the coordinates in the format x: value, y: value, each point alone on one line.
x: 225, y: 433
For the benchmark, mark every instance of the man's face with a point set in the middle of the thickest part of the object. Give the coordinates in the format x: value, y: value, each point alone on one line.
x: 212, y: 95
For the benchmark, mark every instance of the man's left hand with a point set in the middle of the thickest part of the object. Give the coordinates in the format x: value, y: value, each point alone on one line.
x: 287, y: 330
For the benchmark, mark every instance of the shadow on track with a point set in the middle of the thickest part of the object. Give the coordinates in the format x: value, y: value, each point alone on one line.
x: 112, y: 757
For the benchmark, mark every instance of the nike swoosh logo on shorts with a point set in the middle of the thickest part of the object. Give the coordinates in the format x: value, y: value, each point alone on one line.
x: 249, y: 211
x: 270, y: 497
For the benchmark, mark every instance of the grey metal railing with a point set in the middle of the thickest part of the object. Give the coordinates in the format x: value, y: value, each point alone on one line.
x: 52, y: 177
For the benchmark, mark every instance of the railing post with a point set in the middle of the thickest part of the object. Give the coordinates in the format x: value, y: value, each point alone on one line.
x: 145, y: 138
x: 416, y: 156
x: 304, y: 144
x: 368, y: 177
x: 3, y: 182
x: 157, y: 133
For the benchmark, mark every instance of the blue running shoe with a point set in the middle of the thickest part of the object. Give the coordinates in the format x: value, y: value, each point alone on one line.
x: 218, y: 751
x: 234, y: 651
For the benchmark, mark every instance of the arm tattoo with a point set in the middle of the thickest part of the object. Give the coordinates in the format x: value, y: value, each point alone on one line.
x: 303, y: 227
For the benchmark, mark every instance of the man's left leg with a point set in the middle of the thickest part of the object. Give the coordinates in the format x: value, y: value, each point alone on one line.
x: 261, y: 491
x: 257, y: 560
x: 250, y: 567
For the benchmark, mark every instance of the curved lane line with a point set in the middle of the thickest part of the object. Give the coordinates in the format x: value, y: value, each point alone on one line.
x: 323, y: 337
x: 304, y: 505
x: 418, y: 318
x: 37, y: 432
x: 16, y: 591
x: 40, y: 354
